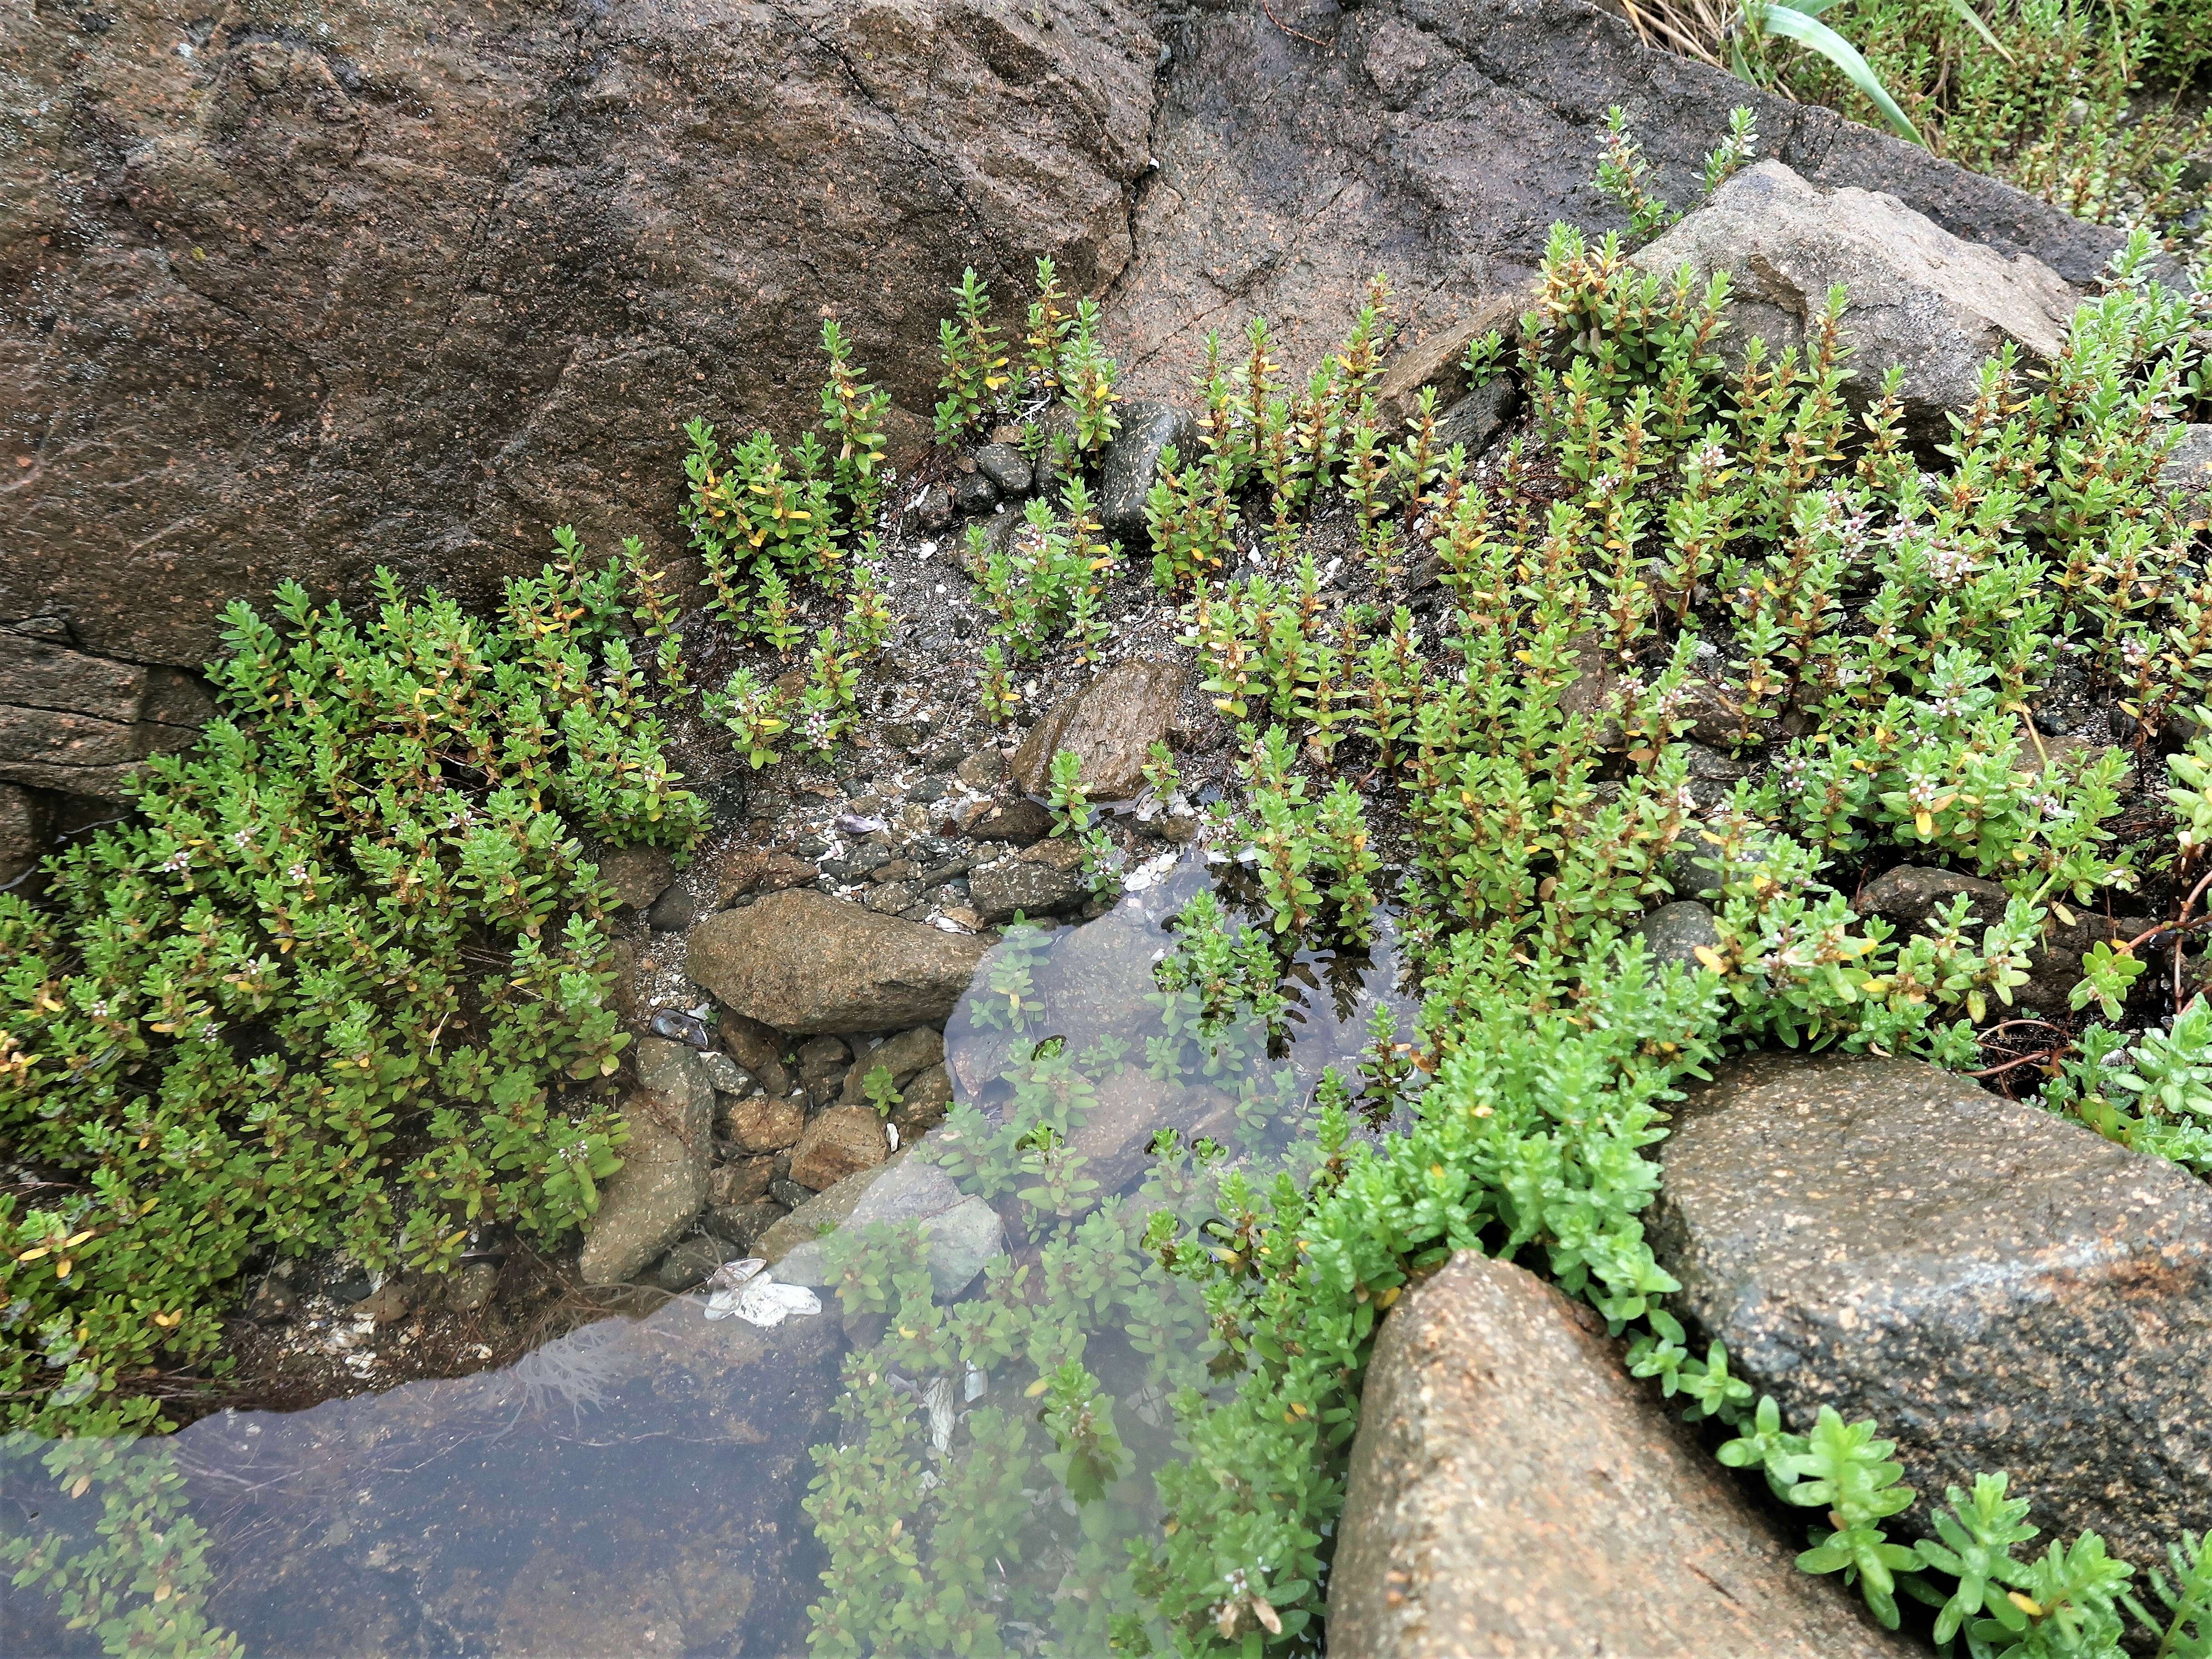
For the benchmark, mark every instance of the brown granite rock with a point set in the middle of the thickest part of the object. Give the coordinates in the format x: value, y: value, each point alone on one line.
x: 1515, y: 1495
x: 803, y: 962
x: 1112, y: 723
x: 1996, y: 1287
x: 764, y: 1123
x: 1042, y: 880
x: 842, y: 1141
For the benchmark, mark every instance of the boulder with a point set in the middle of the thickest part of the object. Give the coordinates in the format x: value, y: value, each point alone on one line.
x: 1439, y: 141
x: 1996, y: 1287
x: 1513, y: 1493
x: 1041, y: 880
x: 1131, y: 464
x: 959, y: 1233
x: 435, y: 280
x: 840, y: 1141
x: 803, y: 962
x: 1921, y: 299
x: 1112, y: 723
x: 645, y: 1206
x: 1910, y: 894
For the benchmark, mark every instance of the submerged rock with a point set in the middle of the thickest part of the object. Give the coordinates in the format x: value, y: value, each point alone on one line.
x: 1515, y: 1492
x: 803, y: 962
x: 663, y: 1183
x: 960, y: 1233
x: 1920, y: 298
x: 1997, y: 1288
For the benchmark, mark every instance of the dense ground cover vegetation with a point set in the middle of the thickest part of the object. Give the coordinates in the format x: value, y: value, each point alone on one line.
x: 340, y: 980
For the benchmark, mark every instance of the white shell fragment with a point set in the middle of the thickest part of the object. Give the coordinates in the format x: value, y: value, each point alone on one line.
x: 746, y: 1290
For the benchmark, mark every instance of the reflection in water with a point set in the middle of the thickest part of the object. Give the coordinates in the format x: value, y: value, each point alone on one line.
x: 991, y: 1383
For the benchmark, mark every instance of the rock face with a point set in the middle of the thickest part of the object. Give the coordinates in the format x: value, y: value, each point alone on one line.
x: 1112, y: 723
x: 1514, y: 1495
x: 1998, y: 1289
x: 1438, y: 141
x: 1919, y: 297
x: 802, y: 961
x: 77, y: 723
x: 663, y: 1182
x: 410, y: 286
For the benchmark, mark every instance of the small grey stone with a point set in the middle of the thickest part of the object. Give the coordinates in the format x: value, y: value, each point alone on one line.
x: 929, y: 789
x: 1132, y: 462
x: 789, y: 1193
x: 1002, y: 464
x: 674, y: 910
x: 727, y: 1077
x: 891, y: 898
x: 1478, y: 417
x: 935, y: 508
x: 1673, y: 932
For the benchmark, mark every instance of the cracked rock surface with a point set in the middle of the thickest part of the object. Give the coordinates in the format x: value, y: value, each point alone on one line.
x: 412, y: 285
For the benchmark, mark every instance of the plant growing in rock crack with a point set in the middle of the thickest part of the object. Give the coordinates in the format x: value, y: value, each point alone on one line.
x: 762, y: 520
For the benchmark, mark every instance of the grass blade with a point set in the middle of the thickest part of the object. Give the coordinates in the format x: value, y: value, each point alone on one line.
x: 1816, y: 36
x: 1973, y: 17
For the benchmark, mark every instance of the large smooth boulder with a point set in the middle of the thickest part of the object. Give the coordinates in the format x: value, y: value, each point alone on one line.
x: 804, y: 961
x: 1996, y: 1287
x: 1920, y: 298
x: 1111, y: 723
x: 1515, y: 1495
x: 302, y: 293
x: 667, y: 1166
x: 1438, y: 141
